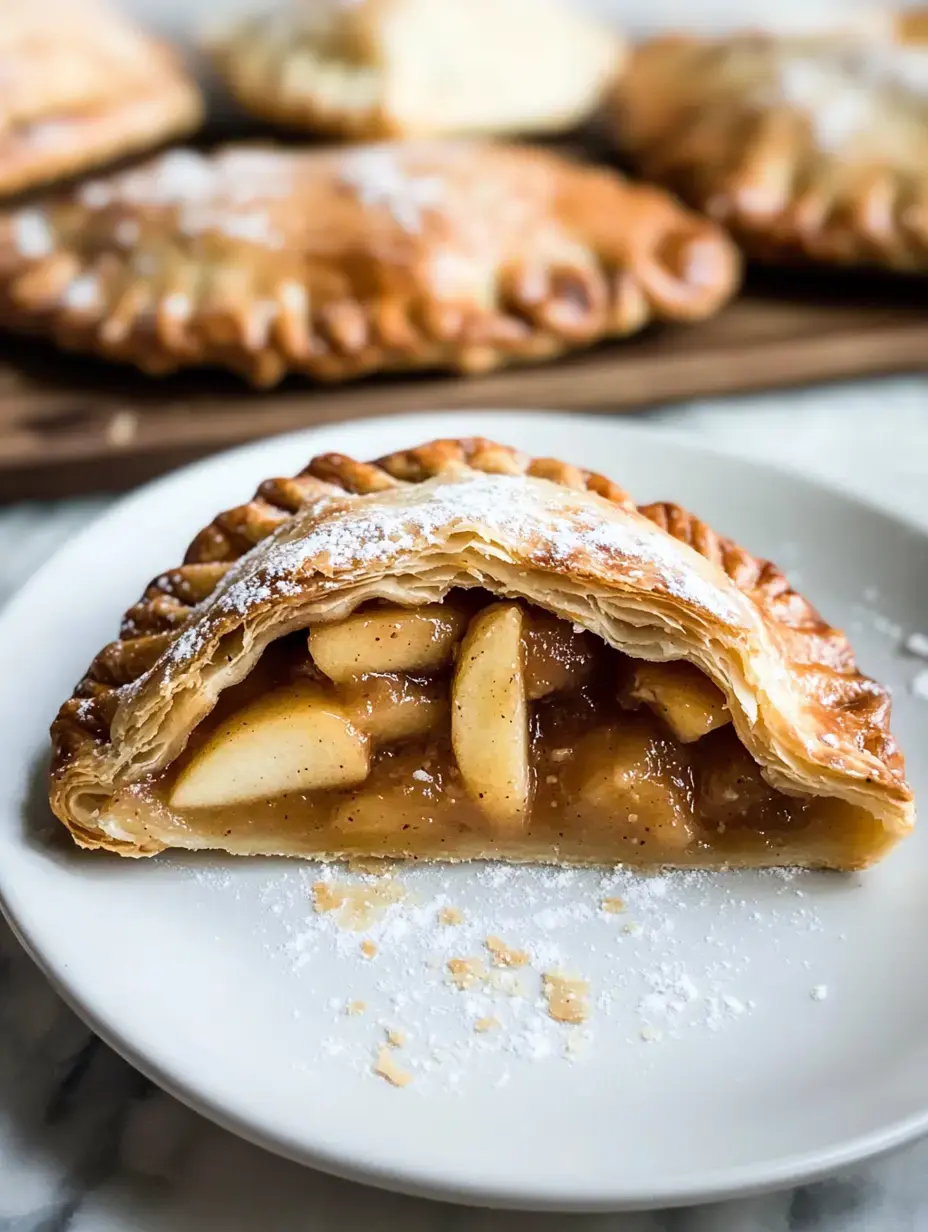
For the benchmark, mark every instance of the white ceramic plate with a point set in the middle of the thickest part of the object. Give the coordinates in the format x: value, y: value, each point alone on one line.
x: 746, y: 1031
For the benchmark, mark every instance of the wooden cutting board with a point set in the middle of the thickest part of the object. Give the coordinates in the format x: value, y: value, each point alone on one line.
x: 70, y: 425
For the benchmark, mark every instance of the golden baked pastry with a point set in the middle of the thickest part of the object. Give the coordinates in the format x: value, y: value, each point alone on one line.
x: 412, y: 68
x: 343, y: 261
x: 79, y: 85
x: 807, y: 148
x: 460, y: 652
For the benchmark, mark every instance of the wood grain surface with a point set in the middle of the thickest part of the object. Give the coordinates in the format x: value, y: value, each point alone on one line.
x: 70, y: 425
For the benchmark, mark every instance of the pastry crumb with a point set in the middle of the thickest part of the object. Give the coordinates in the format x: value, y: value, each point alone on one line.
x: 464, y: 973
x: 386, y: 1067
x: 819, y: 992
x: 613, y: 906
x: 354, y: 1008
x: 650, y: 1035
x: 633, y: 928
x: 567, y: 997
x: 355, y: 906
x: 395, y: 1037
x: 122, y: 429
x: 368, y: 948
x: 483, y: 1025
x: 504, y: 955
x: 450, y: 915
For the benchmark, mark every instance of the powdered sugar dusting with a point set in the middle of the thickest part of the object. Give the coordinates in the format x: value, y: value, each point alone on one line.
x: 836, y: 88
x: 379, y: 177
x: 517, y: 512
x: 228, y: 192
x: 387, y: 530
x: 82, y: 293
x: 678, y: 960
x: 32, y: 234
x: 837, y: 108
x: 919, y: 685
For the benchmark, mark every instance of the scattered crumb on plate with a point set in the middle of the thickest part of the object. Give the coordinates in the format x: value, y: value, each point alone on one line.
x: 567, y: 997
x: 385, y: 1066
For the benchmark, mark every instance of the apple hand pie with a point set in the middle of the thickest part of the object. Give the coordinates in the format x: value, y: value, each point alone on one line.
x: 79, y: 86
x: 807, y: 148
x: 458, y: 652
x: 402, y: 68
x: 336, y: 263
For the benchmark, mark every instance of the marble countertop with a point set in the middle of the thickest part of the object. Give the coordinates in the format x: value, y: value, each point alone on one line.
x: 87, y: 1145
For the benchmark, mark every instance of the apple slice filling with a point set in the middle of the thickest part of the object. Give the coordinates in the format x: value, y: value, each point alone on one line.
x: 474, y: 727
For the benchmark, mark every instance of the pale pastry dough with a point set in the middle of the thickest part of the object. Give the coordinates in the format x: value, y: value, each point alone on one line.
x: 79, y: 86
x: 807, y: 148
x: 337, y: 263
x: 802, y: 769
x: 401, y: 68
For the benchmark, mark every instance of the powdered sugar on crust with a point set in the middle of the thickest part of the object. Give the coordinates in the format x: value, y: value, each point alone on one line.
x: 837, y: 88
x: 32, y: 236
x: 379, y: 177
x: 227, y: 192
x: 497, y: 515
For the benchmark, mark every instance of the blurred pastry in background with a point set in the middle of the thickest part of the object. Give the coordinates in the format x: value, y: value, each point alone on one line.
x: 80, y: 85
x: 339, y: 262
x: 402, y: 68
x: 808, y: 148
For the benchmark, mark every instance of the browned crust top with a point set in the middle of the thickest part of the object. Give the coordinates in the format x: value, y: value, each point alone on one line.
x: 744, y: 128
x: 80, y: 85
x: 336, y: 262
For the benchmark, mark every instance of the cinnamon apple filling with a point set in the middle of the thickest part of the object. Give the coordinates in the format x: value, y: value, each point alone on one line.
x: 477, y: 728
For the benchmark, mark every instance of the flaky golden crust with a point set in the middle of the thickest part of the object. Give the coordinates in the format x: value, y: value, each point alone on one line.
x: 413, y: 68
x: 337, y: 263
x: 810, y: 148
x: 79, y: 87
x: 827, y: 728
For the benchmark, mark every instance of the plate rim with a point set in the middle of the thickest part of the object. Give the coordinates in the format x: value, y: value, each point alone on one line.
x: 738, y: 1181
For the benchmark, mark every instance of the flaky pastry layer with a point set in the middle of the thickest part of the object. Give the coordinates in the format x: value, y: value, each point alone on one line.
x: 807, y: 148
x: 651, y: 581
x: 337, y: 263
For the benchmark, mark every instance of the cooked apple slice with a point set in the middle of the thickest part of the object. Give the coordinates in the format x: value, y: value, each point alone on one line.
x: 292, y: 739
x: 394, y: 707
x: 556, y: 656
x: 683, y: 696
x: 489, y: 715
x: 388, y: 639
x: 636, y: 778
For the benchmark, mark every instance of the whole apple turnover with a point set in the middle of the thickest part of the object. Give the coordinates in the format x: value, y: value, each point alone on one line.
x: 458, y: 652
x: 336, y: 263
x: 80, y: 85
x: 413, y: 68
x: 808, y: 148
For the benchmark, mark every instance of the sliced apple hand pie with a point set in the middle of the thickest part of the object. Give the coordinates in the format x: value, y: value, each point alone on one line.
x: 459, y: 652
x: 401, y: 68
x: 339, y: 262
x: 808, y: 148
x: 79, y: 85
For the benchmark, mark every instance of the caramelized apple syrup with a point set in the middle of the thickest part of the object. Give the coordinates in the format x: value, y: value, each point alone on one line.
x: 624, y: 761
